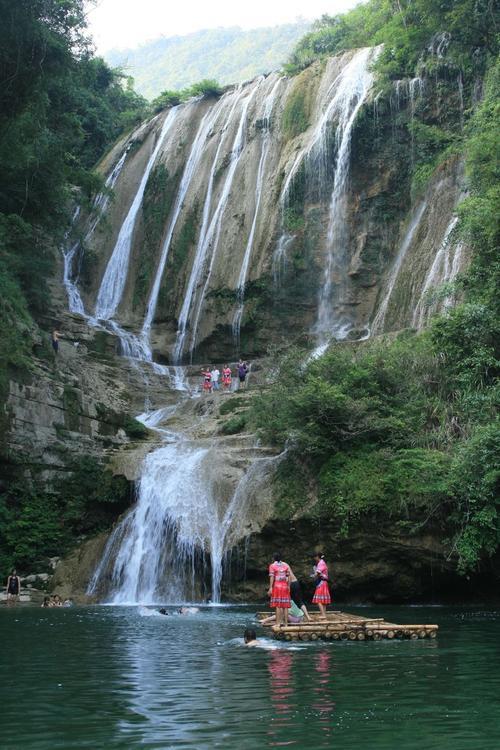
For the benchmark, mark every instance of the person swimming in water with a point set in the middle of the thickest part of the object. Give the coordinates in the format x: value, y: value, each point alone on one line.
x: 188, y: 611
x: 250, y: 637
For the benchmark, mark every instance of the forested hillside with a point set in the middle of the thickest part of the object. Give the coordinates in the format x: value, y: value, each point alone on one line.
x: 229, y: 55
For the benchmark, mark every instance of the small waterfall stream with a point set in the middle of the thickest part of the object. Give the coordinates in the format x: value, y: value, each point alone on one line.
x: 99, y: 208
x: 379, y: 319
x: 115, y: 275
x: 350, y: 93
x: 442, y: 270
x: 266, y: 142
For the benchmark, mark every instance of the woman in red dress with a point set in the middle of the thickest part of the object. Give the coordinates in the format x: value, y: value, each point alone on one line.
x: 207, y: 380
x: 226, y: 377
x: 279, y: 589
x: 322, y: 594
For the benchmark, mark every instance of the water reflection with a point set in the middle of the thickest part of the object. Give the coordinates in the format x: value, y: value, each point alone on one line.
x: 281, y: 694
x: 323, y: 703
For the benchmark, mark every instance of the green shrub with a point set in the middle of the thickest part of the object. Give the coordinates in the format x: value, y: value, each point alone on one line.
x: 232, y: 403
x: 208, y: 88
x: 134, y: 429
x: 234, y: 425
x: 296, y: 114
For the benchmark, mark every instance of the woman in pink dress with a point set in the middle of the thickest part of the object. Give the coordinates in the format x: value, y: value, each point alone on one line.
x: 322, y: 594
x: 279, y: 589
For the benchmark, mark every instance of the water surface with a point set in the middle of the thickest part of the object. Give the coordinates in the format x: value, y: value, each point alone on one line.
x: 111, y: 677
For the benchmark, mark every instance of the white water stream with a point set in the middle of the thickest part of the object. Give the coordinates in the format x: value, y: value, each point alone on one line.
x: 99, y: 207
x: 211, y: 238
x: 208, y: 228
x: 181, y: 520
x: 444, y: 268
x: 379, y: 319
x: 115, y: 275
x: 350, y: 93
x: 266, y: 142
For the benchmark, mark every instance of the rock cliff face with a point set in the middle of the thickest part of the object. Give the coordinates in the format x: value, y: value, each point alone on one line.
x: 282, y: 209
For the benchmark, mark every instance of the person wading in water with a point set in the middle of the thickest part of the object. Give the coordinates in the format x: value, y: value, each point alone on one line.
x: 13, y: 587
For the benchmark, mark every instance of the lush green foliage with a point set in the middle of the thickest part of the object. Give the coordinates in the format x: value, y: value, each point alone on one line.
x: 407, y: 28
x: 36, y: 524
x: 60, y: 108
x: 230, y: 55
x: 207, y: 88
x: 296, y: 113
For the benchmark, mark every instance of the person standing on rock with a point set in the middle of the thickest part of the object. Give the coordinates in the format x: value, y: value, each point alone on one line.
x: 279, y: 589
x: 207, y: 380
x: 242, y: 373
x: 55, y: 340
x: 13, y: 587
x: 215, y: 372
x: 226, y: 377
x: 322, y: 594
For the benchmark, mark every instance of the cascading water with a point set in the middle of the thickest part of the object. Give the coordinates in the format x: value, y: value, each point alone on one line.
x: 214, y: 229
x: 205, y: 236
x: 197, y: 151
x: 266, y: 142
x: 350, y: 92
x: 444, y: 269
x: 115, y: 275
x: 280, y: 257
x: 99, y: 208
x: 138, y: 347
x: 379, y: 319
x: 156, y: 553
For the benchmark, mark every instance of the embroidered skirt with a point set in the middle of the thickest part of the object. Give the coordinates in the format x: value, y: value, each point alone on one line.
x: 280, y: 596
x: 322, y: 594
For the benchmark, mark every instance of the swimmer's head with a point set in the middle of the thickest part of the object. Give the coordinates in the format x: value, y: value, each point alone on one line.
x: 163, y: 611
x: 249, y: 635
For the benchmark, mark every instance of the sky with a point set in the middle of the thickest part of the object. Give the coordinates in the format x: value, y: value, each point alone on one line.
x: 128, y: 23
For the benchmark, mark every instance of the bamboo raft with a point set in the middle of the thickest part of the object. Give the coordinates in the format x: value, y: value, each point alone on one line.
x: 342, y: 626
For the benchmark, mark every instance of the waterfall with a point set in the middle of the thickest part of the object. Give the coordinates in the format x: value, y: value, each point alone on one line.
x: 99, y: 208
x: 75, y: 302
x: 115, y: 275
x: 155, y: 553
x: 205, y: 237
x: 266, y: 142
x: 212, y: 236
x: 442, y: 270
x: 280, y: 257
x: 350, y: 92
x: 195, y: 156
x: 379, y: 320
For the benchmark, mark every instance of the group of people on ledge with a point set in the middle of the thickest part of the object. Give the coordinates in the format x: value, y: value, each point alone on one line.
x: 212, y: 378
x: 286, y: 595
